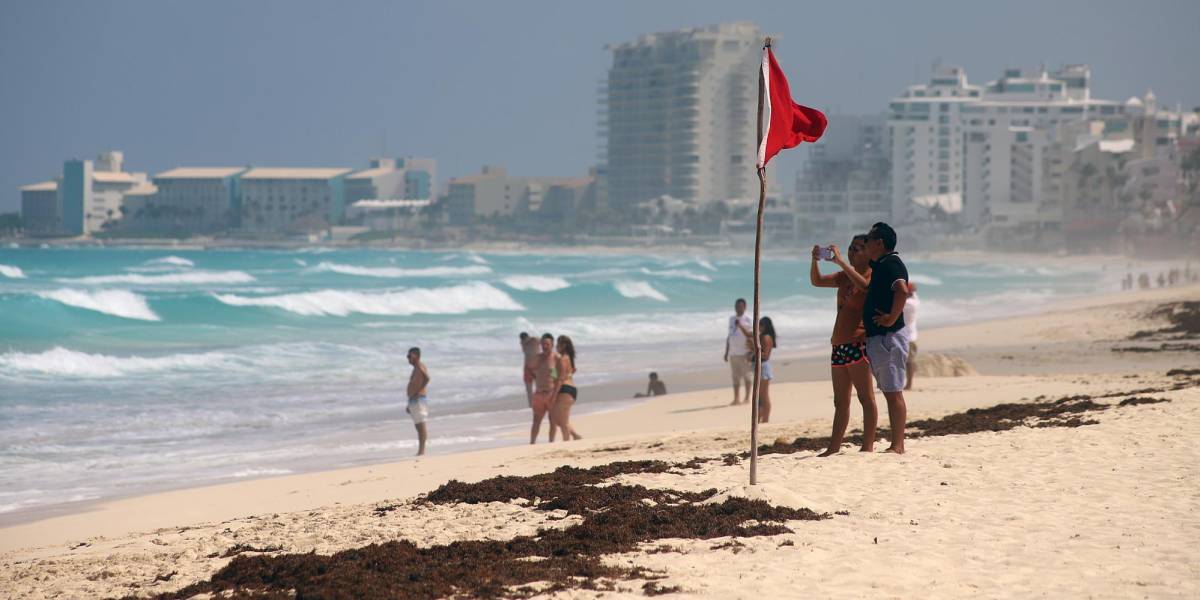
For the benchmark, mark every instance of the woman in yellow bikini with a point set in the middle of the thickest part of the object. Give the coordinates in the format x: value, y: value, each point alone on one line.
x: 560, y: 413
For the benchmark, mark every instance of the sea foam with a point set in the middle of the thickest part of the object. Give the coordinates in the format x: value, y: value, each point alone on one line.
x: 64, y: 362
x: 119, y: 303
x: 639, y: 289
x: 678, y: 274
x: 161, y: 264
x: 397, y: 272
x: 12, y: 272
x: 445, y: 301
x: 174, y: 261
x: 536, y: 283
x: 188, y: 278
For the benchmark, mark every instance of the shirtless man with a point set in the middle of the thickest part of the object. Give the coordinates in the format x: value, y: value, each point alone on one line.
x: 418, y: 404
x: 546, y: 378
x: 529, y: 346
x: 656, y: 387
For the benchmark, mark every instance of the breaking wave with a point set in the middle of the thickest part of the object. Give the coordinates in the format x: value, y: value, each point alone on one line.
x: 441, y: 301
x: 119, y: 303
x: 537, y: 283
x: 639, y: 289
x: 396, y: 272
x: 678, y: 274
x: 174, y: 261
x: 63, y: 362
x: 12, y: 272
x: 193, y: 277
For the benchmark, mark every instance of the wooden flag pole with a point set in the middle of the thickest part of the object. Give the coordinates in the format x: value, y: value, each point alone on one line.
x: 762, y: 204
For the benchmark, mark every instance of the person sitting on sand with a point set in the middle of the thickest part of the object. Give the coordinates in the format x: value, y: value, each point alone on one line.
x: 531, y: 349
x: 545, y: 378
x: 849, y: 367
x: 736, y: 349
x: 418, y: 403
x: 560, y: 413
x: 767, y: 344
x: 656, y: 387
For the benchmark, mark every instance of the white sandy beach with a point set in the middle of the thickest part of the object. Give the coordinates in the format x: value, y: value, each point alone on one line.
x: 1104, y: 510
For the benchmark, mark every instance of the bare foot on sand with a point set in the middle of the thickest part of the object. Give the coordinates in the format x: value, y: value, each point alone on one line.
x: 829, y: 452
x: 895, y: 450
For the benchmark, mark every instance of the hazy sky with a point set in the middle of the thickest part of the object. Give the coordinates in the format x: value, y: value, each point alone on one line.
x: 303, y: 83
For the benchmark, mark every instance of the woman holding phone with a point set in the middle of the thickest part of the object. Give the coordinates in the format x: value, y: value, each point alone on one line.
x: 849, y: 367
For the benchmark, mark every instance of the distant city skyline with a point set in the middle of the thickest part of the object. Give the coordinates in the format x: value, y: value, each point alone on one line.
x: 323, y: 84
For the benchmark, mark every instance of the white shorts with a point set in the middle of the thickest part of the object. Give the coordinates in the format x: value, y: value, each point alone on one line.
x: 418, y: 409
x: 739, y: 367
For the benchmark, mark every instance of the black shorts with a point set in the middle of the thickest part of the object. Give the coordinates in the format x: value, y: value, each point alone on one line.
x: 569, y: 389
x: 845, y: 355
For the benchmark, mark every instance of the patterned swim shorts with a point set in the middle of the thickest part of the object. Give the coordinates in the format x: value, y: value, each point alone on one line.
x: 845, y: 355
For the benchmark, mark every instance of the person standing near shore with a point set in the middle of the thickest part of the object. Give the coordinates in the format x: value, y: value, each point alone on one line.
x: 768, y: 343
x: 883, y: 318
x: 910, y: 328
x: 560, y: 413
x: 848, y: 363
x: 545, y: 378
x: 418, y: 403
x: 737, y: 352
x: 531, y: 349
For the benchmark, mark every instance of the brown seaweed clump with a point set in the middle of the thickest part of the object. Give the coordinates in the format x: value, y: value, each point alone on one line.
x: 617, y: 518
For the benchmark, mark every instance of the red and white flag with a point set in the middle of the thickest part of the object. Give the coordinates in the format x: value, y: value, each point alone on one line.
x: 787, y: 124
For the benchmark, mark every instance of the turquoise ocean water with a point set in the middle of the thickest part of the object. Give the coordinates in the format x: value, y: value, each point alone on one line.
x: 124, y: 371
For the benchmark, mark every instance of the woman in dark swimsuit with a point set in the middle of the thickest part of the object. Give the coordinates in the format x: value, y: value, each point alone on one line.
x: 560, y: 413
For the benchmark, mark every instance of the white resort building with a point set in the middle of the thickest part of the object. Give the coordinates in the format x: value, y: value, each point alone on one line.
x: 678, y: 114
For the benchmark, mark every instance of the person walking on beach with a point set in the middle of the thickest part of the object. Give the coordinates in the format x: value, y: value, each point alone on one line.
x: 848, y: 363
x: 545, y: 379
x: 531, y: 349
x: 560, y: 413
x: 768, y: 343
x: 418, y: 403
x: 656, y: 387
x: 737, y: 350
x: 910, y: 329
x: 883, y: 318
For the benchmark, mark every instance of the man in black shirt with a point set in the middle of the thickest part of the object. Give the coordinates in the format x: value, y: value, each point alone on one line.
x: 883, y: 318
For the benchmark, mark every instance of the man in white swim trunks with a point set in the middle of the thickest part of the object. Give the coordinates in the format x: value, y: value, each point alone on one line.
x: 737, y: 351
x: 418, y: 404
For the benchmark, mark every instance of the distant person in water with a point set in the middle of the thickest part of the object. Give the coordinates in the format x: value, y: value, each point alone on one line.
x: 545, y: 380
x: 418, y: 403
x: 560, y: 413
x: 768, y: 344
x: 737, y: 349
x: 910, y: 327
x: 849, y: 367
x: 531, y: 350
x: 656, y: 387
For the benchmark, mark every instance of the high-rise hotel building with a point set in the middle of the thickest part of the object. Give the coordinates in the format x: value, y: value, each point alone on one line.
x: 978, y: 150
x: 678, y: 115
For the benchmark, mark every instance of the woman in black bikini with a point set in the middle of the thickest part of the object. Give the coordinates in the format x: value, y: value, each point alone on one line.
x: 560, y: 413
